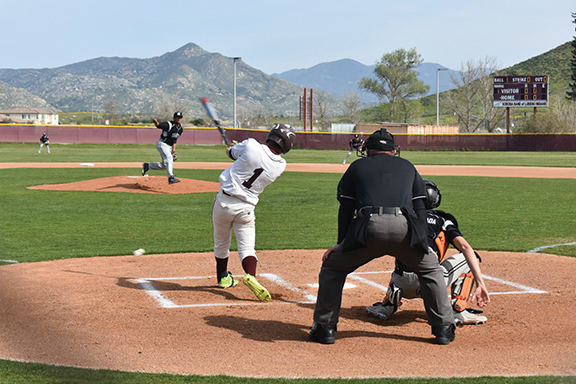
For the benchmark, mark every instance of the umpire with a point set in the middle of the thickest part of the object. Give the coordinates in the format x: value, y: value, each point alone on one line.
x: 381, y: 213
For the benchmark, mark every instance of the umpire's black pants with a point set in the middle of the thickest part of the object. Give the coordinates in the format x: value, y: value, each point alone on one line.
x: 387, y: 234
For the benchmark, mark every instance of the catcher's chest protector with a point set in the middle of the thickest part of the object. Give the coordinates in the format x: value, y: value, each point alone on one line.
x: 442, y: 245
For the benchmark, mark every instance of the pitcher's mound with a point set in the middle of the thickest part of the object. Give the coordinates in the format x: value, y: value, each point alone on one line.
x: 135, y: 184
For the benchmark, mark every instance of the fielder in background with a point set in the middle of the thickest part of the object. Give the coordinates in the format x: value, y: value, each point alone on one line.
x: 166, y: 145
x: 461, y: 271
x: 381, y: 212
x: 255, y: 167
x: 44, y: 141
x: 355, y: 145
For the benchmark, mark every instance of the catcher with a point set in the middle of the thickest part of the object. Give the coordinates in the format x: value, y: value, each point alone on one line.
x: 166, y: 145
x: 461, y: 271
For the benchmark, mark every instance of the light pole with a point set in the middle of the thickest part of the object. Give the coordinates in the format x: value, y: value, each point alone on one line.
x: 235, y: 59
x: 438, y: 94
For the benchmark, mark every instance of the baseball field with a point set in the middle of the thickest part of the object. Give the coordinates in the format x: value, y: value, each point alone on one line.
x: 77, y: 306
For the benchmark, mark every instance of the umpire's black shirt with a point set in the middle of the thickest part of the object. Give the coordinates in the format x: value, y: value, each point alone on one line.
x: 379, y: 180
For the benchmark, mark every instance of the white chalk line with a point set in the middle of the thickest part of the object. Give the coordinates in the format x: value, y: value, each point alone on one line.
x: 9, y: 261
x: 165, y: 302
x: 538, y: 249
x: 523, y: 288
x: 280, y: 281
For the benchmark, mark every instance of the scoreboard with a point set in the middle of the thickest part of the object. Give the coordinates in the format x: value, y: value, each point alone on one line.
x: 521, y: 91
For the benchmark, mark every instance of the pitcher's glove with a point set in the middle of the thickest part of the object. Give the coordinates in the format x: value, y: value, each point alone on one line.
x: 174, y: 156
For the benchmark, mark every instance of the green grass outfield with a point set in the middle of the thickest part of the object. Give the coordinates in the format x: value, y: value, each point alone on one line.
x: 504, y: 214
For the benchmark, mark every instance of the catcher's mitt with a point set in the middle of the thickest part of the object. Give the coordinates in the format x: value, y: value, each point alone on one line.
x: 174, y: 156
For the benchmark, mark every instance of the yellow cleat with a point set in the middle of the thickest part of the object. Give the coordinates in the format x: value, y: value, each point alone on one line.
x: 228, y: 281
x: 261, y: 293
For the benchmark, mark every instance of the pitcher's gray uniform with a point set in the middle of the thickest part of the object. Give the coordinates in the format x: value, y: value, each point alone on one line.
x: 166, y: 145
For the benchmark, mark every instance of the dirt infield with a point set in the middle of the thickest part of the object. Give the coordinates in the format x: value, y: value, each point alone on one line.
x: 163, y: 313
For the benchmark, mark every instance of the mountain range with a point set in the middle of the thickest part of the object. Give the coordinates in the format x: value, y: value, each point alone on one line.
x: 190, y: 72
x: 138, y: 85
x: 341, y: 77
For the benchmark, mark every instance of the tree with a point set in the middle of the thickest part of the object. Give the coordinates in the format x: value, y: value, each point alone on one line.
x: 321, y: 109
x: 397, y: 82
x: 571, y: 94
x: 559, y: 118
x: 543, y: 123
x: 472, y: 101
x: 112, y: 112
x: 351, y: 101
x: 166, y: 107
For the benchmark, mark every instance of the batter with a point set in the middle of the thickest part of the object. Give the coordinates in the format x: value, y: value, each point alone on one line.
x: 255, y: 167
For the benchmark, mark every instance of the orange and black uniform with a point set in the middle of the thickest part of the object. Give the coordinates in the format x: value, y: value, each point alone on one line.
x: 442, y: 230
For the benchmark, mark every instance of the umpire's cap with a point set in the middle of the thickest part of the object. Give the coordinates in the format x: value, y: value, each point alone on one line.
x: 381, y: 140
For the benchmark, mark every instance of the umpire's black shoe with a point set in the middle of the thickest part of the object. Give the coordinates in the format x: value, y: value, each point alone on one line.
x: 323, y: 334
x: 445, y: 334
x: 173, y: 180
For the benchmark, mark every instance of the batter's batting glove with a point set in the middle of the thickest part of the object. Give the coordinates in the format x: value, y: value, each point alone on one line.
x: 174, y: 156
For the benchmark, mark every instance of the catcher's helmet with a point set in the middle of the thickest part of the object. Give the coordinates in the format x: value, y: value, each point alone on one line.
x: 283, y: 135
x: 433, y: 195
x: 178, y: 114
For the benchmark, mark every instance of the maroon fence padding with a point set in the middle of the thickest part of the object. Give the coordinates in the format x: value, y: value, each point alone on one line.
x: 565, y: 142
x: 15, y: 133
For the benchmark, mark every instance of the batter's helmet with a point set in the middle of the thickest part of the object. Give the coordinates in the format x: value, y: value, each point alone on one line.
x: 283, y: 135
x: 433, y: 195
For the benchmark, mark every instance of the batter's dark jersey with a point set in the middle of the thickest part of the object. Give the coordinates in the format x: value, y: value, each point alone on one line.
x: 442, y: 230
x: 170, y: 132
x: 379, y: 180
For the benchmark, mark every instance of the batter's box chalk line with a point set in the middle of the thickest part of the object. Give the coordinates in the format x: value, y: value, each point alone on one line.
x: 165, y: 302
x: 522, y: 289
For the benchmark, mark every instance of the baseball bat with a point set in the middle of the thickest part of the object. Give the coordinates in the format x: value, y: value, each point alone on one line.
x: 212, y: 114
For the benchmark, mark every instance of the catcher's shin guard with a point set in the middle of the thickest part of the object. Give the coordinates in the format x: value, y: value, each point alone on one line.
x: 394, y: 295
x: 462, y: 290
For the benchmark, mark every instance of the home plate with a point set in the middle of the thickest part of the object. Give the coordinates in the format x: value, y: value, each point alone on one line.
x: 346, y: 285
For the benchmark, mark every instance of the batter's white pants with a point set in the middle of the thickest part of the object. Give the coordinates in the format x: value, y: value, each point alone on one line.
x: 232, y: 213
x: 167, y: 160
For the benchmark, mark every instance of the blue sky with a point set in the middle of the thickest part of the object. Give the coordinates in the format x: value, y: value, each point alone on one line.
x: 276, y: 35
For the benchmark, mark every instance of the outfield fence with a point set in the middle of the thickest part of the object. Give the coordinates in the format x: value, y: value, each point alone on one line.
x: 560, y: 142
